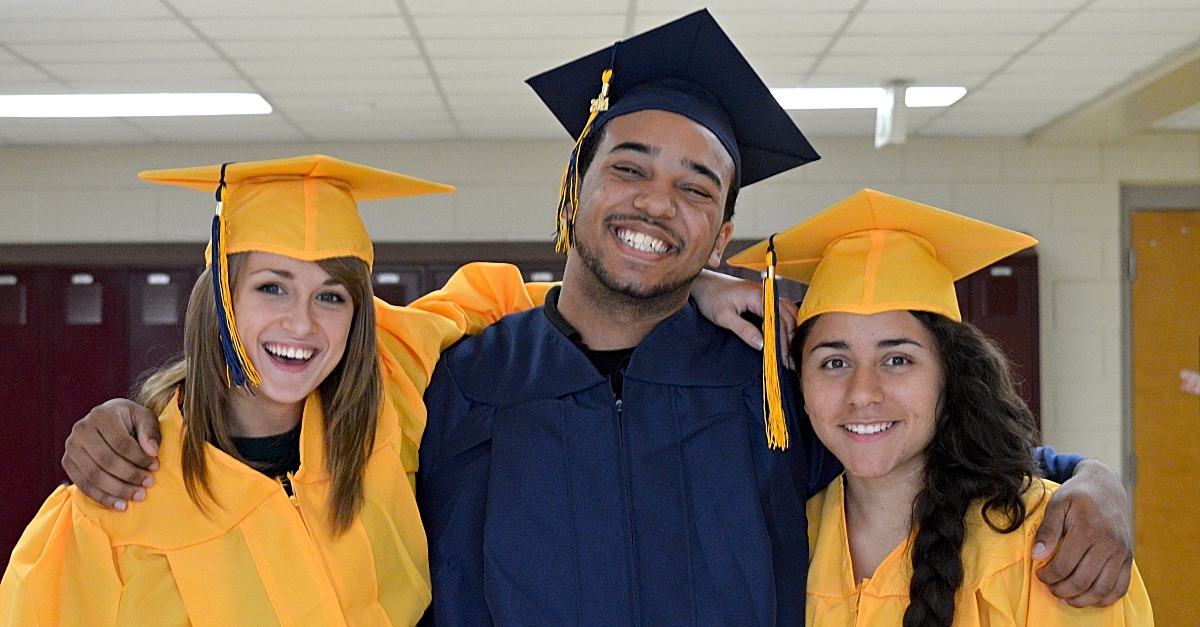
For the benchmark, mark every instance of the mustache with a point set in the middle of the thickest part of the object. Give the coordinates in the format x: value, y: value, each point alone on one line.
x: 676, y: 240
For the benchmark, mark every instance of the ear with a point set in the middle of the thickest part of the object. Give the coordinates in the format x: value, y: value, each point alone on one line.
x: 718, y: 252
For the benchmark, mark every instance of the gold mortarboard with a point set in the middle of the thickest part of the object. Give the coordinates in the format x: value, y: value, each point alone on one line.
x: 303, y: 207
x: 874, y: 252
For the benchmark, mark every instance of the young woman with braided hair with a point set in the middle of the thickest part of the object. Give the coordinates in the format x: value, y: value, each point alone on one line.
x: 933, y: 522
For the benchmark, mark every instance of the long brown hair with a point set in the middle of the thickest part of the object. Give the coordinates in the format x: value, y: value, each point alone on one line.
x: 350, y: 395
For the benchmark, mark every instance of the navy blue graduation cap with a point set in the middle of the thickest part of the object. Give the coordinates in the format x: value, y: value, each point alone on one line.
x: 688, y: 67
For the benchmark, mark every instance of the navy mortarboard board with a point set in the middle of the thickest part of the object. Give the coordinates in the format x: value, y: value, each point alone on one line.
x: 688, y: 67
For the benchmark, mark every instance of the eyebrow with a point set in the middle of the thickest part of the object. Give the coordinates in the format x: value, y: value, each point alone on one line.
x: 284, y: 274
x: 705, y: 171
x: 637, y: 147
x: 839, y: 345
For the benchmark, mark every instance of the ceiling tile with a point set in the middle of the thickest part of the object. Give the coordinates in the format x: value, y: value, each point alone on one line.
x: 1148, y: 5
x: 32, y: 87
x: 607, y: 27
x: 300, y: 106
x: 70, y: 131
x: 1134, y: 22
x: 422, y: 8
x: 1078, y: 83
x: 291, y: 29
x: 514, y: 129
x: 334, y: 68
x: 910, y: 67
x: 991, y: 127
x: 163, y: 84
x: 995, y: 96
x: 1111, y: 64
x: 974, y: 6
x: 929, y: 45
x: 940, y: 23
x: 20, y: 73
x: 518, y: 68
x: 759, y: 25
x: 220, y: 128
x: 116, y: 71
x: 350, y: 88
x: 112, y: 51
x: 394, y: 48
x: 93, y: 31
x: 1059, y: 43
x: 285, y: 8
x: 356, y: 131
x: 780, y: 46
x: 721, y: 8
x: 84, y: 10
x: 559, y: 48
x: 483, y: 85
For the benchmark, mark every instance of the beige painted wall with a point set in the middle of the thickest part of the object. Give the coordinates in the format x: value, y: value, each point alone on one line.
x: 1067, y: 197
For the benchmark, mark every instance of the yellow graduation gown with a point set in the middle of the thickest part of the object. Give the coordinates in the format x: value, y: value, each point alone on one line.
x: 258, y: 557
x: 999, y: 585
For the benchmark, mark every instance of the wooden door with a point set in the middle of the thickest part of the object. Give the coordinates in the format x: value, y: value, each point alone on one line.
x: 157, y: 304
x: 1166, y: 421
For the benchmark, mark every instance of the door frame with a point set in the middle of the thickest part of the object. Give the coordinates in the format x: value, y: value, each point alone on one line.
x: 1134, y: 198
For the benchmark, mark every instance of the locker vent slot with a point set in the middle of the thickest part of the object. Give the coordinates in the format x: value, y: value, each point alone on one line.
x: 85, y: 303
x: 12, y: 304
x: 160, y: 304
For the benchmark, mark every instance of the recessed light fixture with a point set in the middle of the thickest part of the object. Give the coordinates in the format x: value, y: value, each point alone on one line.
x: 130, y: 105
x: 863, y: 97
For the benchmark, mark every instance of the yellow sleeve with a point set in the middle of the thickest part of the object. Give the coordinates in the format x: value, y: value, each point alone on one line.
x: 481, y: 293
x: 62, y: 570
x: 1132, y: 610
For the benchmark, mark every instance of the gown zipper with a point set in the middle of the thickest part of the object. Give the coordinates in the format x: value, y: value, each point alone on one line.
x: 627, y: 491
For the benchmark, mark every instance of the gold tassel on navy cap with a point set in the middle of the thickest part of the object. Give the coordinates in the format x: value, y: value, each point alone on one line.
x: 773, y: 414
x: 568, y: 190
x: 239, y: 371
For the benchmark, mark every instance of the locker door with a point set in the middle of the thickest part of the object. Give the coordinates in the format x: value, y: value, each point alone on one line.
x: 1002, y: 300
x: 157, y: 304
x: 89, y: 350
x: 25, y: 452
x: 396, y: 284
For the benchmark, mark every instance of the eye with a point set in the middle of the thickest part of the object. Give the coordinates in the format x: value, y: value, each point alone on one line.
x: 898, y: 360
x: 834, y: 363
x: 698, y: 192
x: 270, y: 288
x: 333, y: 298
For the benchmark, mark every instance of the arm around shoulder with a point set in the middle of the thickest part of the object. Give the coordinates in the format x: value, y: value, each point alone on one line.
x: 61, y: 571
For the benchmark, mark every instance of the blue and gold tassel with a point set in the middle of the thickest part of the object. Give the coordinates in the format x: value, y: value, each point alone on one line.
x: 239, y: 371
x: 773, y: 414
x: 568, y: 190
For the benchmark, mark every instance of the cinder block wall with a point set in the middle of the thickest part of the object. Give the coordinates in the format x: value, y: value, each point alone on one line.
x: 1066, y: 196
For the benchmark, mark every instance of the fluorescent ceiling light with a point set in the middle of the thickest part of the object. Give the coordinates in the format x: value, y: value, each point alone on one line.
x: 863, y: 97
x: 130, y: 105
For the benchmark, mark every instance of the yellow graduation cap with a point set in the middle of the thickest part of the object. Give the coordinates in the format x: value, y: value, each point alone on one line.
x: 870, y: 253
x: 303, y: 207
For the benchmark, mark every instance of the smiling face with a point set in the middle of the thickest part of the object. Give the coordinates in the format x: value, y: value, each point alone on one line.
x: 871, y: 387
x: 293, y: 319
x: 652, y: 202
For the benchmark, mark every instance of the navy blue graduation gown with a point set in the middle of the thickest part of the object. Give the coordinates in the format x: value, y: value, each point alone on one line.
x: 548, y: 502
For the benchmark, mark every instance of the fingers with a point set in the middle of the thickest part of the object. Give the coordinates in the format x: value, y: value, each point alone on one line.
x: 145, y: 425
x: 749, y: 333
x: 1189, y: 381
x: 1124, y: 576
x: 788, y: 313
x: 1094, y: 593
x: 1076, y: 588
x: 117, y: 438
x: 1045, y: 542
x: 100, y: 486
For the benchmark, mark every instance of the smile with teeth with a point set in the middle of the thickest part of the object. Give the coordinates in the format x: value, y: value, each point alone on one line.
x: 642, y: 242
x: 868, y: 429
x: 289, y: 352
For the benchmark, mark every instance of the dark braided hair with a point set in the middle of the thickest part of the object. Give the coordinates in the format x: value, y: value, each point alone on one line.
x: 980, y: 451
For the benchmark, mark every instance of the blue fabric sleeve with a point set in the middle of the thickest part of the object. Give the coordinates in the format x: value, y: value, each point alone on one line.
x: 1057, y: 467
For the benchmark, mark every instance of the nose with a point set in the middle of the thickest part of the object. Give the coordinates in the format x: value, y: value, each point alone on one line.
x: 656, y: 199
x: 298, y: 319
x: 865, y: 387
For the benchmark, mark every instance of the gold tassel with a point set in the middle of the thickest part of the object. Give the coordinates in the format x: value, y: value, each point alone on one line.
x: 239, y: 370
x: 568, y: 188
x: 773, y: 414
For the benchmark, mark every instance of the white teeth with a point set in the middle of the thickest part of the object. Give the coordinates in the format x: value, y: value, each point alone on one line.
x: 868, y: 429
x: 642, y: 242
x: 289, y: 352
